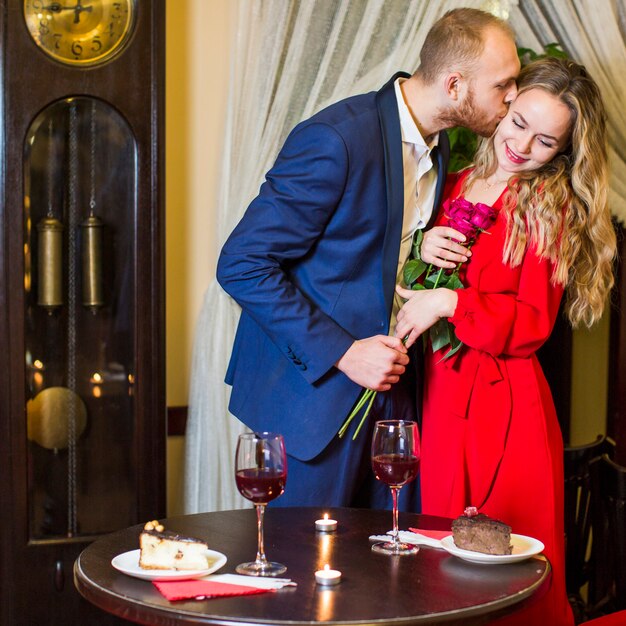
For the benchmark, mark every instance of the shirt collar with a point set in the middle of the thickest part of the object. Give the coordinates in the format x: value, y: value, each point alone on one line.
x: 408, y: 127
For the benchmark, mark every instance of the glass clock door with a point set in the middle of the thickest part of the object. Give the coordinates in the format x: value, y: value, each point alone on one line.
x: 80, y: 197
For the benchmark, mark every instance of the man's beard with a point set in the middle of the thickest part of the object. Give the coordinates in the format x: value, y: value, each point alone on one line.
x: 468, y: 116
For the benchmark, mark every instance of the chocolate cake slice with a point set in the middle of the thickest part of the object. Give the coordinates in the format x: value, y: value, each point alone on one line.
x: 481, y: 533
x: 163, y: 549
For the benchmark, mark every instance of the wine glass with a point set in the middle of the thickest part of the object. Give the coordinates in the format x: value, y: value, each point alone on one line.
x: 395, y: 461
x: 260, y: 474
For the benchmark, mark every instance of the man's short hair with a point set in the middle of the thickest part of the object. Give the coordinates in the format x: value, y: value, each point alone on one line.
x: 456, y: 41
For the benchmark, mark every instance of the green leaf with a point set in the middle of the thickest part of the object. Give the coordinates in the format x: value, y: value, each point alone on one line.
x: 417, y: 244
x: 454, y: 282
x: 455, y: 342
x: 443, y: 280
x: 554, y: 50
x: 439, y: 278
x: 439, y: 335
x: 413, y: 269
x: 526, y: 55
x: 418, y: 287
x: 463, y: 144
x: 452, y: 351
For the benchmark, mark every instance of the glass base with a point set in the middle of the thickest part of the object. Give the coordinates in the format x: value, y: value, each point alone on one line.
x: 260, y: 568
x: 389, y: 547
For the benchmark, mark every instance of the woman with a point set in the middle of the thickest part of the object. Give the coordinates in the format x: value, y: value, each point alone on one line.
x: 490, y: 435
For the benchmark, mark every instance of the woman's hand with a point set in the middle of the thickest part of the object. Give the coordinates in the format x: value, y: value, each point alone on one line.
x: 422, y: 309
x: 440, y: 247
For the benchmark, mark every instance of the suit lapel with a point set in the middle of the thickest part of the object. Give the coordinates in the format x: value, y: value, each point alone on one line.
x: 394, y: 181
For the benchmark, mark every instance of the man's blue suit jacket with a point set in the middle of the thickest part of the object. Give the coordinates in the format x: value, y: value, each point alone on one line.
x: 313, y: 265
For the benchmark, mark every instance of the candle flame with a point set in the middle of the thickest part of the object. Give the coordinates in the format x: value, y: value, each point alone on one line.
x: 326, y: 567
x: 325, y: 516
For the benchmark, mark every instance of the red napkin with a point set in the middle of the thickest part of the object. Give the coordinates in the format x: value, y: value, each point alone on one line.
x: 186, y: 589
x: 433, y: 534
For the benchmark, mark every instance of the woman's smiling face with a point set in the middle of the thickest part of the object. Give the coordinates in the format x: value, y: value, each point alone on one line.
x: 536, y: 128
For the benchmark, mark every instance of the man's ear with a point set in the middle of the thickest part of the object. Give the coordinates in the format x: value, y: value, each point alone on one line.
x: 454, y: 85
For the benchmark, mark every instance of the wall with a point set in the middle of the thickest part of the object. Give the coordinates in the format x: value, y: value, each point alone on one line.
x: 198, y: 34
x: 590, y: 370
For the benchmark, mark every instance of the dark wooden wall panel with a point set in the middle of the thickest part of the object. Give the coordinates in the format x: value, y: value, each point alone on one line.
x: 616, y: 419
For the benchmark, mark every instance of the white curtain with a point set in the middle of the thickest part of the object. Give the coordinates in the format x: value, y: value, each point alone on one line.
x: 592, y: 32
x: 290, y: 58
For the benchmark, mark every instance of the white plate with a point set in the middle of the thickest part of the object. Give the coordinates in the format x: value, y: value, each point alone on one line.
x: 128, y: 563
x: 523, y: 548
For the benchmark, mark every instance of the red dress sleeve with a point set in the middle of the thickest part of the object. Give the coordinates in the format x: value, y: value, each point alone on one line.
x: 513, y: 322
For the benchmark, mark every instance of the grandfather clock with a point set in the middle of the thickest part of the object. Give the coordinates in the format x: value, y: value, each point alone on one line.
x: 82, y: 425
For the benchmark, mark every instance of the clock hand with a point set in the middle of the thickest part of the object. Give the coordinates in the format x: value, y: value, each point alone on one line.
x: 77, y: 11
x: 57, y: 7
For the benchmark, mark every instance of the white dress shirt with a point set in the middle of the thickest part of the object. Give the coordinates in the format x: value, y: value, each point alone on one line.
x: 420, y: 179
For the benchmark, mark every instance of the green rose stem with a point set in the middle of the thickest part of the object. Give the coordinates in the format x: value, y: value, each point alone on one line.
x: 368, y: 396
x: 439, y: 274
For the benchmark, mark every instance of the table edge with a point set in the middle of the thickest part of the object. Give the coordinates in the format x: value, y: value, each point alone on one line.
x: 96, y: 595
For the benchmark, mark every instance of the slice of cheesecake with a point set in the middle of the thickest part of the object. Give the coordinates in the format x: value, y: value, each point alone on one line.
x: 163, y: 549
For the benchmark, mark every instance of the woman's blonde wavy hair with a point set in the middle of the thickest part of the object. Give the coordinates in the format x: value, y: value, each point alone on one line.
x: 562, y: 208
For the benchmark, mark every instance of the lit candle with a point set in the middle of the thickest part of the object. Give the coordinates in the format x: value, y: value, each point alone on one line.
x: 327, y: 576
x: 326, y: 525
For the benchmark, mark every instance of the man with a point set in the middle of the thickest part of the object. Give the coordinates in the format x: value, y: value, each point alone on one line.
x: 315, y: 259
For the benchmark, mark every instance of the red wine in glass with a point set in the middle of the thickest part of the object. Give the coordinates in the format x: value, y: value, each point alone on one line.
x: 260, y: 485
x: 260, y: 475
x: 395, y: 470
x: 395, y: 462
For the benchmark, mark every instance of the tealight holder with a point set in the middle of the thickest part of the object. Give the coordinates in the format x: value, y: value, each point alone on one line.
x: 327, y: 576
x: 326, y: 525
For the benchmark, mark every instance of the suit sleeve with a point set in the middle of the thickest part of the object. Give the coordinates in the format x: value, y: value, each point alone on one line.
x: 281, y: 225
x: 513, y: 324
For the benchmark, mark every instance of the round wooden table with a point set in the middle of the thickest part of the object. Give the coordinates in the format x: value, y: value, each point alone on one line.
x: 431, y: 587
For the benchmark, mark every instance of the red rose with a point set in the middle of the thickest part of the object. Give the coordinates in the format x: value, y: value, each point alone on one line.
x: 463, y: 225
x: 483, y: 216
x: 460, y: 207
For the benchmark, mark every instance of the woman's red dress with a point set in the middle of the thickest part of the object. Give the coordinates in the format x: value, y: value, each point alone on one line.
x: 490, y: 435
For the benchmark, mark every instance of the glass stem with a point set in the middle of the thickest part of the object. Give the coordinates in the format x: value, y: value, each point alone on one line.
x: 260, y: 516
x: 394, y: 495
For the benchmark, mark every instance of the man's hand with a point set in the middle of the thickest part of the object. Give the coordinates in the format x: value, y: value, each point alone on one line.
x: 375, y: 363
x: 440, y: 247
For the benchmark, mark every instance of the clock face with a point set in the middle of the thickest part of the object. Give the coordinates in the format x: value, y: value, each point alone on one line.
x: 80, y: 32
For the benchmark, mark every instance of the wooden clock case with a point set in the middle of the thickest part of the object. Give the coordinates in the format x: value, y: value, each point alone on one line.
x: 126, y: 453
